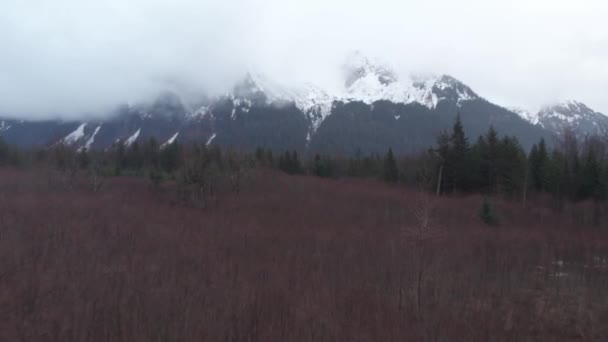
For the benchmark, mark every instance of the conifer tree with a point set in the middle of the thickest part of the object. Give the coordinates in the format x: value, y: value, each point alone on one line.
x: 538, y: 166
x: 458, y: 161
x: 390, y: 171
x: 296, y: 165
x: 591, y: 182
x: 510, y: 167
x: 492, y: 159
x: 170, y: 157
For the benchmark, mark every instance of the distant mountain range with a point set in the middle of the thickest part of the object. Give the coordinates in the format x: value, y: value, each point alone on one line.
x: 572, y: 115
x: 373, y: 111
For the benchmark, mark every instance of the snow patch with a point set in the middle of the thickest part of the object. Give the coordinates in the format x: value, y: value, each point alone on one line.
x: 170, y: 141
x: 90, y: 141
x: 210, y: 140
x: 525, y: 114
x: 4, y: 126
x: 132, y: 138
x: 200, y: 112
x: 74, y: 136
x: 366, y: 81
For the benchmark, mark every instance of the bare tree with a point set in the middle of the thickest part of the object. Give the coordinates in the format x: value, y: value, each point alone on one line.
x: 66, y: 165
x: 96, y: 177
x: 418, y: 237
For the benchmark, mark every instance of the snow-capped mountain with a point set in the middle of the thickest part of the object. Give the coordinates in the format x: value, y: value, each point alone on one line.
x: 525, y: 114
x: 364, y: 81
x: 376, y: 108
x: 571, y: 115
x: 257, y: 89
x: 574, y: 115
x: 369, y: 82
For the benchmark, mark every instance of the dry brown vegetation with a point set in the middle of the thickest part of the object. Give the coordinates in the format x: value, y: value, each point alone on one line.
x: 292, y: 259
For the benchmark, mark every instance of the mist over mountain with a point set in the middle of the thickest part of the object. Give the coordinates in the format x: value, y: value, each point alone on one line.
x: 374, y: 109
x: 284, y: 75
x: 565, y: 116
x: 73, y: 59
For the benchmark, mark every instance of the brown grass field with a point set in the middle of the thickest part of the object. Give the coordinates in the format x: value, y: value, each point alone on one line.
x: 292, y: 259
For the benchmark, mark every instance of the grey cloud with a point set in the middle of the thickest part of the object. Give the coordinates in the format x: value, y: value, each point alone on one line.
x: 77, y: 57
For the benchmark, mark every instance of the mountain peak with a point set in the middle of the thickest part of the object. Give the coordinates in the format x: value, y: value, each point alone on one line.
x: 525, y: 114
x: 359, y: 66
x: 444, y: 87
x: 572, y: 114
x: 568, y: 107
x: 462, y: 91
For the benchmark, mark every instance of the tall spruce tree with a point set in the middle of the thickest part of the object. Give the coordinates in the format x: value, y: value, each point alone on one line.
x: 458, y: 157
x: 511, y: 167
x: 591, y: 185
x: 489, y: 150
x: 296, y: 165
x: 390, y: 171
x: 538, y: 166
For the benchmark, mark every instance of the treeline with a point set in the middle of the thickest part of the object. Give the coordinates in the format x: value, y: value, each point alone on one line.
x: 572, y: 169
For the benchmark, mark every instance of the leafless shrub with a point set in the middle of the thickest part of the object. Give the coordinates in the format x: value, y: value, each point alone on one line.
x: 291, y: 258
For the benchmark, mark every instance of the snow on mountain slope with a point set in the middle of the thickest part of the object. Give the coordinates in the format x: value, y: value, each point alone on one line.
x: 91, y: 139
x: 570, y: 114
x: 370, y: 81
x: 132, y: 138
x: 569, y: 111
x: 358, y: 66
x: 525, y: 114
x: 4, y: 126
x: 170, y: 141
x: 365, y: 81
x: 210, y: 140
x: 258, y: 89
x: 75, y: 136
x: 574, y: 115
x: 305, y: 96
x: 314, y: 102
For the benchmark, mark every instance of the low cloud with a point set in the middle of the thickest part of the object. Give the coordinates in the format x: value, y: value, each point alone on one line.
x: 73, y: 57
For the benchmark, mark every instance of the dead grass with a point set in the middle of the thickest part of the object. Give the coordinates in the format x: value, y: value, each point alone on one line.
x: 288, y: 259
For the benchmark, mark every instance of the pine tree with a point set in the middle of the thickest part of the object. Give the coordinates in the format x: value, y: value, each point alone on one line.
x: 151, y: 154
x: 458, y: 160
x: 259, y: 155
x: 120, y: 158
x: 511, y: 167
x: 390, y: 171
x: 296, y: 165
x: 285, y: 162
x: 170, y: 157
x: 572, y: 166
x: 318, y: 167
x: 538, y: 166
x: 135, y: 158
x: 269, y: 157
x: 492, y: 159
x: 322, y: 166
x: 486, y: 213
x: 591, y: 182
x: 83, y: 159
x: 554, y: 177
x: 290, y: 163
x: 5, y: 153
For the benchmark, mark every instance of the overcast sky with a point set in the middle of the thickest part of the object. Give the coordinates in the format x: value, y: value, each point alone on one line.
x: 72, y: 57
